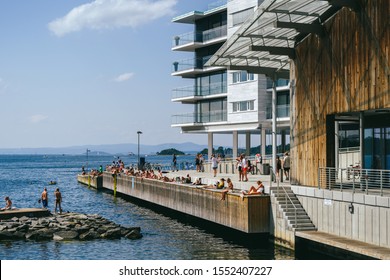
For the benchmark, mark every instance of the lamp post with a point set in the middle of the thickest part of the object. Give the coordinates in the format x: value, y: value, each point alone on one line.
x: 139, y: 133
x: 87, y: 158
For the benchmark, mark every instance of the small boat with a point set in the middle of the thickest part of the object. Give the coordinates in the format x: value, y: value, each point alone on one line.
x: 52, y: 183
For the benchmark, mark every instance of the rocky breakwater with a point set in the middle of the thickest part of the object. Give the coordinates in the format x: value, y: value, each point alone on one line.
x: 68, y: 226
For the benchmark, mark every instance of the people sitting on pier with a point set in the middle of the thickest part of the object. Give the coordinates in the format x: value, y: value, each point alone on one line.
x: 198, y: 181
x: 8, y: 204
x: 186, y: 180
x: 254, y: 190
x: 228, y: 189
x: 217, y: 185
x: 83, y: 170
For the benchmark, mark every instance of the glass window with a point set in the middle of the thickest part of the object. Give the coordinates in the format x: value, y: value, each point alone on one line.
x: 242, y: 76
x: 243, y: 106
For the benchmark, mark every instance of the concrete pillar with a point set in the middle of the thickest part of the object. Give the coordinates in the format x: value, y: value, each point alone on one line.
x: 210, y: 145
x: 361, y: 136
x: 247, y: 143
x: 336, y: 139
x: 263, y: 141
x: 235, y: 144
x: 274, y: 96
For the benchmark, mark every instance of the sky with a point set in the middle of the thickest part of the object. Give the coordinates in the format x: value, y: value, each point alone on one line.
x: 77, y: 72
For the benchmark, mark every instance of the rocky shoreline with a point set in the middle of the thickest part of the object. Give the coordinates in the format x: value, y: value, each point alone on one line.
x: 67, y: 226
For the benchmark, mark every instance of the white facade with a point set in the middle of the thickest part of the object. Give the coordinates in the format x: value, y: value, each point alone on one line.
x: 241, y: 106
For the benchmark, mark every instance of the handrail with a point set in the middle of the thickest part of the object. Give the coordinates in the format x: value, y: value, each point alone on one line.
x: 354, y: 178
x: 288, y: 199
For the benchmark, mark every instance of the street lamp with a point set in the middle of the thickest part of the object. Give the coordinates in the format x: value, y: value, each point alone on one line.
x: 87, y: 158
x: 138, y: 132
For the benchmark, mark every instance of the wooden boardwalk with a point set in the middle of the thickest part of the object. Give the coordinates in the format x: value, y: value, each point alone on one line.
x: 20, y: 212
x: 347, y: 244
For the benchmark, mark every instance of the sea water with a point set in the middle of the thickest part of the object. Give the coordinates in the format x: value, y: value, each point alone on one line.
x: 23, y: 177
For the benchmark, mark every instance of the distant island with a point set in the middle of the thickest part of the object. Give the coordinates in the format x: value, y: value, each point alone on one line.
x: 168, y: 152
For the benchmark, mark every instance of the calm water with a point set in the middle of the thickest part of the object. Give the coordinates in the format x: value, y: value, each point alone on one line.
x: 23, y: 178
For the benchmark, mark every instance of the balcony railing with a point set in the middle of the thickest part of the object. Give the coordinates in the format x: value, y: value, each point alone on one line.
x: 200, y: 36
x: 189, y: 91
x: 215, y: 116
x: 282, y: 111
x: 192, y: 63
x: 356, y: 179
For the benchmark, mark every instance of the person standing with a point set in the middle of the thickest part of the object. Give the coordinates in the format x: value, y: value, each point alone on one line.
x: 174, y: 161
x: 197, y: 163
x: 58, y: 198
x: 278, y: 167
x: 244, y: 166
x: 286, y: 165
x: 214, y: 164
x: 44, y: 198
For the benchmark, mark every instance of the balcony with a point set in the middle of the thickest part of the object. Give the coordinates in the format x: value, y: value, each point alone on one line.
x: 282, y: 111
x: 199, y: 119
x: 193, y: 40
x: 191, y: 94
x: 189, y: 68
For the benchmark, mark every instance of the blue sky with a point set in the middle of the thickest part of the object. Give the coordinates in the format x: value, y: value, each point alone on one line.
x: 78, y: 72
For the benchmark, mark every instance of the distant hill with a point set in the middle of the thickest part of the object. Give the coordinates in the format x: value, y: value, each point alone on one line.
x: 170, y: 152
x: 188, y: 147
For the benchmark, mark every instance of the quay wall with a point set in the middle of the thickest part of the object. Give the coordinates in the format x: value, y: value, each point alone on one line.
x: 248, y: 215
x: 95, y: 182
x: 356, y: 216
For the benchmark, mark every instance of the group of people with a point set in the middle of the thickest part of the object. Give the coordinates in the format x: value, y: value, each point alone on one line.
x: 243, y: 166
x: 44, y: 199
x: 199, y: 160
x: 220, y: 185
x: 57, y: 197
x: 283, y: 166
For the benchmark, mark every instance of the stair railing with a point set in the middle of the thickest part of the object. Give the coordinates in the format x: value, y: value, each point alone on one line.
x: 288, y: 199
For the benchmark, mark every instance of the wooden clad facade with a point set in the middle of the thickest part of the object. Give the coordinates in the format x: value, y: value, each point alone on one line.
x: 346, y: 70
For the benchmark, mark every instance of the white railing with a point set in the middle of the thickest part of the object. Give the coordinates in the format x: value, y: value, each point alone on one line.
x: 375, y: 181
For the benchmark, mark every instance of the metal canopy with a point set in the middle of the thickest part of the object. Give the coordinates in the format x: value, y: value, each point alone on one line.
x: 265, y: 43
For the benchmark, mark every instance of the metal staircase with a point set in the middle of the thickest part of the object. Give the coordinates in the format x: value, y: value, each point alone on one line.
x: 292, y: 209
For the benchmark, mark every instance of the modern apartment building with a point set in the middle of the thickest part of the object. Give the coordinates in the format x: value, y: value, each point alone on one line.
x: 221, y: 101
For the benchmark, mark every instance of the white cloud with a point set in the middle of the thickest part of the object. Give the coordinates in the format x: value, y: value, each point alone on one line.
x: 107, y: 14
x: 124, y: 77
x: 37, y: 118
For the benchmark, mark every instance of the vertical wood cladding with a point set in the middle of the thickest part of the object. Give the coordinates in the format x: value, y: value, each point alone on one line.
x: 347, y: 70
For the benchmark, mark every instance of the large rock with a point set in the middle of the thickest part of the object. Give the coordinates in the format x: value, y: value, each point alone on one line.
x: 65, y: 235
x: 134, y: 234
x: 112, y: 233
x: 39, y: 235
x: 89, y: 235
x: 69, y: 226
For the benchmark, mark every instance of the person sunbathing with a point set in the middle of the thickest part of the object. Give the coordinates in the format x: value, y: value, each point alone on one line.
x: 218, y: 185
x: 255, y: 190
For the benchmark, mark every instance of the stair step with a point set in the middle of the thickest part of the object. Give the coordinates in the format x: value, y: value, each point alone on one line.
x: 305, y: 228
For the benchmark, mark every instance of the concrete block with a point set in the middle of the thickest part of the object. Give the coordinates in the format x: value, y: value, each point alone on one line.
x: 370, y: 200
x: 383, y: 201
x: 295, y: 189
x: 310, y: 191
x: 337, y: 195
x: 383, y: 233
x: 319, y: 193
x: 302, y: 191
x: 328, y: 194
x: 358, y: 198
x: 347, y: 197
